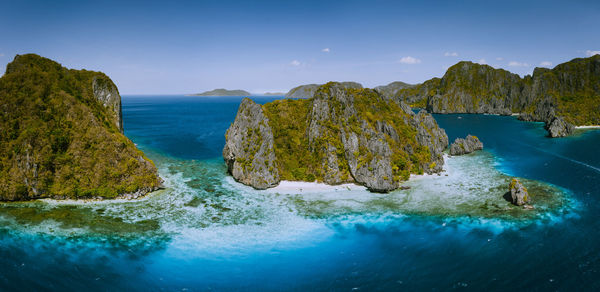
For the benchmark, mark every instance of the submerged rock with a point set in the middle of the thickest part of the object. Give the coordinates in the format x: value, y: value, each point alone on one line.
x: 559, y: 128
x: 248, y: 150
x: 518, y: 193
x: 465, y: 146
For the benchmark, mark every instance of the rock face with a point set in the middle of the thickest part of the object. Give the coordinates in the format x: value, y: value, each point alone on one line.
x: 61, y: 136
x: 570, y: 92
x: 308, y: 90
x: 248, y: 150
x: 465, y: 146
x: 518, y: 193
x: 107, y: 93
x: 430, y: 135
x: 341, y: 135
x: 559, y: 128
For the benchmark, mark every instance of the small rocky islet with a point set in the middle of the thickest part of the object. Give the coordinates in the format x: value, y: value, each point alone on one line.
x: 465, y: 146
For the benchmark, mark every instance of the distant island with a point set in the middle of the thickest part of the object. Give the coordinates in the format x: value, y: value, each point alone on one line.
x: 223, y: 92
x: 62, y: 136
x: 308, y: 90
x: 392, y: 89
x: 273, y: 94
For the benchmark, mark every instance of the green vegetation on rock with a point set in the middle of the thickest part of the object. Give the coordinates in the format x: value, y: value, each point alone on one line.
x: 570, y: 91
x: 339, y: 135
x: 60, y: 135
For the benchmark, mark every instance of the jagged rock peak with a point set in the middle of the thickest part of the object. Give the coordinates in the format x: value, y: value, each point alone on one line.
x: 345, y: 135
x: 248, y: 149
x: 518, y: 193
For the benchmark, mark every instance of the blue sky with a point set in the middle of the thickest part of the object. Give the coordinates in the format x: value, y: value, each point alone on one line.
x: 161, y: 47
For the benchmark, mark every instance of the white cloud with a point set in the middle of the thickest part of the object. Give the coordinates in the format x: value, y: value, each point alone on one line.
x: 517, y: 64
x: 450, y: 54
x: 499, y: 59
x: 591, y: 53
x: 546, y: 64
x: 409, y: 60
x: 482, y: 61
x: 295, y: 63
x: 1, y: 55
x: 326, y: 50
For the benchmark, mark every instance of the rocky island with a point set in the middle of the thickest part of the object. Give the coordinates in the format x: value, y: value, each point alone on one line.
x: 62, y: 136
x: 223, y: 92
x: 518, y: 193
x: 465, y: 146
x: 563, y: 97
x: 340, y: 135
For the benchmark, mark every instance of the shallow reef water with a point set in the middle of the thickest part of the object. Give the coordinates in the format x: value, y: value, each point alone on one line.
x: 205, y: 231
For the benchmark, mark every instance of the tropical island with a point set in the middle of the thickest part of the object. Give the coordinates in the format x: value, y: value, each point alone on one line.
x: 343, y: 133
x: 563, y: 97
x: 62, y: 136
x: 223, y: 92
x: 273, y: 94
x: 340, y: 135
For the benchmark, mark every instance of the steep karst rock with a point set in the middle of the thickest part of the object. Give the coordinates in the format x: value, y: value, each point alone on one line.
x: 61, y: 135
x: 569, y: 92
x: 339, y: 135
x: 559, y: 128
x: 518, y: 193
x: 249, y: 150
x: 465, y: 146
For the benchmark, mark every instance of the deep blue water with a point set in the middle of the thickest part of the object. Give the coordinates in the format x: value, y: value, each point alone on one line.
x: 360, y: 253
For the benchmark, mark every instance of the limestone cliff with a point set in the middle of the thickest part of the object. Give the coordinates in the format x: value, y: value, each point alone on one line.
x: 465, y: 146
x: 340, y: 135
x: 569, y: 92
x: 107, y: 93
x: 61, y: 135
x: 248, y: 150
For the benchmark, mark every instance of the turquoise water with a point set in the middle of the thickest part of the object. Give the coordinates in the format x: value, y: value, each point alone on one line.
x: 205, y: 232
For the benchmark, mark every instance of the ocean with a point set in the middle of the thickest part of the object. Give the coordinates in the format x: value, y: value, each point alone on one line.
x: 204, y: 231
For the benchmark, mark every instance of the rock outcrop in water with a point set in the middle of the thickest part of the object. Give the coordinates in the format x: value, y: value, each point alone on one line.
x: 341, y: 135
x: 465, y: 146
x: 568, y: 94
x: 518, y: 193
x: 308, y: 90
x: 61, y: 136
x: 559, y: 128
x: 248, y: 149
